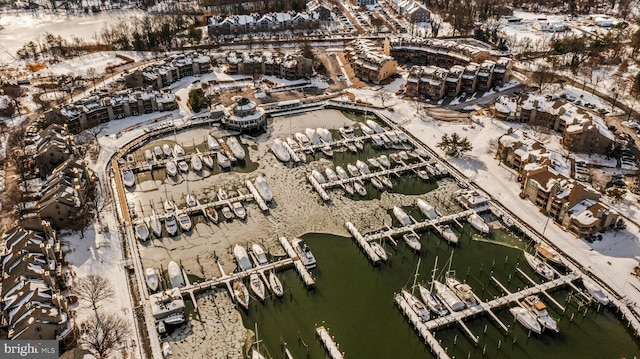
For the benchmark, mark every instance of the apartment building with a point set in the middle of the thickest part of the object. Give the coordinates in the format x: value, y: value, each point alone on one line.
x: 517, y: 150
x: 412, y: 10
x: 49, y: 148
x: 173, y: 68
x: 290, y: 67
x: 427, y: 82
x: 271, y: 22
x: 369, y: 62
x: 436, y: 52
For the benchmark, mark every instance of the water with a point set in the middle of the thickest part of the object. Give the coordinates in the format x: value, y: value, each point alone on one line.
x: 355, y: 301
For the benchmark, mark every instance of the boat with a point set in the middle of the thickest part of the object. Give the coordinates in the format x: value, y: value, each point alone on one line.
x: 403, y: 155
x: 427, y: 209
x: 377, y: 248
x: 433, y: 172
x: 442, y: 169
x: 362, y: 167
x: 196, y: 162
x: 184, y: 221
x: 280, y: 151
x: 539, y: 266
x: 222, y: 194
x: 239, y: 210
x: 402, y: 136
x: 313, y: 137
x: 169, y: 206
x: 166, y: 149
x: 172, y: 168
x: 227, y: 213
x: 347, y: 132
x: 184, y: 167
x: 448, y: 296
x: 342, y: 174
x: 142, y: 231
x: 374, y: 126
x: 353, y: 170
x: 447, y: 233
x: 331, y: 174
x: 174, y: 319
x: 157, y: 151
x: 148, y: 155
x: 212, y: 214
x: 318, y: 177
x: 386, y: 181
x: 259, y: 253
x: 171, y: 225
x: 241, y: 293
x: 412, y: 241
x: 166, y: 350
x: 263, y: 188
x: 377, y: 140
x: 242, y: 258
x: 213, y: 144
x: 431, y: 301
x: 402, y: 216
x: 384, y: 161
x: 175, y: 275
x: 413, y: 155
x: 302, y: 139
x: 236, y: 148
x: 366, y: 129
x: 421, y: 152
x: 292, y: 143
x: 391, y: 135
x: 462, y: 290
x: 596, y: 292
x: 385, y: 139
x: 191, y: 200
x: 549, y: 253
x: 208, y: 161
x: 375, y: 181
x: 128, y: 178
x: 538, y: 309
x: 348, y: 188
x: 304, y: 253
x: 275, y: 284
x: 131, y: 160
x: 526, y: 319
x: 178, y: 151
x: 374, y: 162
x: 155, y: 225
x: 478, y: 223
x: 359, y: 144
x: 417, y: 306
x: 395, y: 158
x: 257, y: 286
x: 423, y: 175
x: 360, y: 189
x: 327, y: 151
x: 151, y: 278
x: 301, y: 155
x: 223, y: 161
x: 325, y: 135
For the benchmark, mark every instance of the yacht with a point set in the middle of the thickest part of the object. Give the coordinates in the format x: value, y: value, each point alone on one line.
x: 223, y: 161
x: 353, y: 170
x: 417, y: 306
x: 242, y: 258
x: 148, y: 155
x: 280, y: 151
x: 318, y: 176
x: 374, y: 126
x: 331, y: 174
x: 596, y: 291
x: 259, y: 253
x: 526, y: 319
x: 155, y: 225
x: 384, y: 161
x: 325, y: 135
x: 171, y: 168
x: 539, y: 266
x: 151, y: 278
x: 402, y: 216
x: 374, y: 162
x: 462, y: 290
x: 412, y: 241
x: 362, y: 167
x: 142, y: 231
x: 239, y: 210
x: 302, y: 139
x: 208, y: 161
x: 166, y: 149
x: 304, y: 253
x: 178, y: 151
x: 346, y: 132
x: 349, y: 189
x: 366, y: 129
x: 432, y: 301
x: 342, y: 174
x: 212, y: 214
x: 313, y: 137
x: 191, y: 200
x: 183, y: 166
x: 549, y: 253
x: 175, y: 275
x: 213, y: 144
x: 241, y: 293
x: 157, y: 151
x: 171, y: 225
x: 257, y: 286
x: 359, y: 144
x: 263, y: 188
x: 538, y: 309
x: 128, y: 178
x: 423, y: 175
x: 447, y: 233
x: 360, y: 189
x: 386, y: 181
x: 448, y: 296
x: 185, y: 222
x: 196, y: 162
x: 379, y: 250
x: 377, y: 140
x: 478, y: 223
x: 275, y: 284
x: 236, y: 148
x: 375, y: 181
x: 327, y: 151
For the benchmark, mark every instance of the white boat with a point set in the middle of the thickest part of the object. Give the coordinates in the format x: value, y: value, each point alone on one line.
x: 412, y: 241
x: 171, y: 225
x: 377, y: 248
x: 375, y: 181
x: 223, y: 161
x: 402, y: 136
x: 433, y: 172
x: 448, y: 296
x: 166, y: 350
x: 222, y: 194
x: 402, y: 216
x: 155, y: 225
x: 327, y: 151
x: 208, y: 161
x: 395, y: 158
x: 213, y: 144
x: 478, y: 223
x: 183, y: 166
x: 366, y: 129
x: 142, y: 231
x: 280, y: 151
x: 346, y: 132
x: 191, y: 200
x: 526, y: 319
x: 447, y: 233
x: 362, y: 167
x: 442, y: 169
x: 539, y: 266
x: 166, y: 149
x: 151, y: 278
x: 318, y: 176
x: 148, y: 155
x: 342, y: 174
x: 128, y: 178
x: 348, y: 188
x: 236, y: 148
x: 421, y: 152
x: 391, y: 135
x: 384, y: 161
x: 239, y: 210
x: 374, y: 162
x: 353, y: 170
x: 242, y: 258
x: 427, y: 209
x: 462, y: 290
x: 423, y: 175
x: 185, y: 222
x: 377, y: 140
x: 386, y: 181
x: 360, y: 189
x: 259, y: 253
x: 175, y: 275
x: 292, y: 143
x: 351, y: 147
x: 241, y: 293
x: 431, y: 301
x: 275, y: 284
x: 549, y: 253
x: 196, y: 162
x: 331, y: 174
x: 178, y: 151
x: 417, y: 306
x: 359, y: 144
x: 302, y: 139
x: 596, y: 292
x: 157, y: 151
x: 227, y: 213
x: 313, y: 137
x: 263, y: 188
x: 324, y: 135
x: 171, y: 168
x: 385, y: 139
x: 374, y: 126
x: 257, y: 286
x: 174, y: 319
x: 539, y: 310
x: 403, y: 155
x: 169, y: 206
x: 304, y: 253
x: 212, y: 214
x: 301, y: 155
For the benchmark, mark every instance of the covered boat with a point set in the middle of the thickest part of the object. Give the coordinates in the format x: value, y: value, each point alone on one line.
x: 325, y: 135
x: 208, y: 161
x: 302, y: 139
x: 359, y: 188
x: 304, y: 253
x: 263, y: 188
x: 166, y: 149
x: 362, y: 167
x: 318, y: 176
x: 227, y: 213
x: 183, y: 166
x: 184, y: 221
x: 366, y: 129
x: 152, y: 279
x: 448, y: 296
x: 478, y: 223
x: 427, y: 209
x: 402, y: 216
x: 353, y: 170
x: 259, y: 253
x: 384, y: 161
x: 373, y: 161
x: 341, y: 173
x: 154, y: 224
x: 280, y: 151
x: 128, y: 178
x: 242, y: 258
x: 196, y: 162
x: 171, y: 225
x: 331, y: 174
x: 178, y: 151
x: 379, y: 250
x: 142, y: 231
x: 257, y: 286
x: 313, y: 136
x: 236, y: 148
x: 223, y: 160
x: 374, y: 126
x: 596, y: 291
x: 157, y: 151
x: 172, y: 168
x: 175, y: 275
x: 213, y: 144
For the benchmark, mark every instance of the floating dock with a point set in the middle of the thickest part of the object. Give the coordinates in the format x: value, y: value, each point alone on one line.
x: 329, y: 344
x: 257, y: 197
x: 364, y: 244
x: 308, y: 280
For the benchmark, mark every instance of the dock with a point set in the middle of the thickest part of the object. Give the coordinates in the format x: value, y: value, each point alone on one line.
x: 364, y: 244
x: 308, y: 280
x: 318, y: 187
x: 327, y: 340
x: 422, y: 329
x: 257, y: 197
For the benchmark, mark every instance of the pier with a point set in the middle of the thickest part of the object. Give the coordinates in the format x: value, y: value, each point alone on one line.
x: 318, y: 187
x: 308, y: 280
x: 328, y: 342
x: 391, y: 171
x: 364, y: 244
x: 257, y: 197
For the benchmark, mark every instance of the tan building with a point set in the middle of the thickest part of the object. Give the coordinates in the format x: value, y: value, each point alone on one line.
x: 50, y: 147
x: 369, y: 62
x: 426, y: 82
x: 517, y: 150
x: 169, y: 70
x: 290, y: 67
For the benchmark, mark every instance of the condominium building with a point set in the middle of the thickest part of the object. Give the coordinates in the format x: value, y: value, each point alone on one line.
x: 369, y: 62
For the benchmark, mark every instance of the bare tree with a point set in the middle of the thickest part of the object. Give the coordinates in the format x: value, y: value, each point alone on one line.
x: 92, y: 73
x: 94, y: 289
x: 104, y: 333
x: 383, y: 96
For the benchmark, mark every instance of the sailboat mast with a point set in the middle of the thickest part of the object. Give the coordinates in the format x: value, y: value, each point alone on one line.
x: 415, y: 277
x: 433, y: 273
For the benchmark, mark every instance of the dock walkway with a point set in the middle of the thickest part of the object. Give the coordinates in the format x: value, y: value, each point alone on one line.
x: 328, y: 342
x: 417, y: 226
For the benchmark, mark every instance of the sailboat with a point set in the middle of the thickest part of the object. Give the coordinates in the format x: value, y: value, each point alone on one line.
x: 241, y: 294
x: 154, y: 224
x: 196, y: 162
x: 275, y: 284
x: 257, y: 286
x: 213, y: 144
x: 255, y: 352
x: 429, y: 298
x: 208, y: 161
x: 539, y: 266
x: 171, y: 167
x: 236, y: 148
x: 191, y: 200
x: 178, y: 151
x: 223, y: 161
x: 377, y: 248
x: 157, y: 151
x: 415, y: 304
x: 166, y: 149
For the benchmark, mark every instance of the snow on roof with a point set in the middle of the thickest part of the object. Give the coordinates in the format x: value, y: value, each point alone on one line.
x: 583, y: 213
